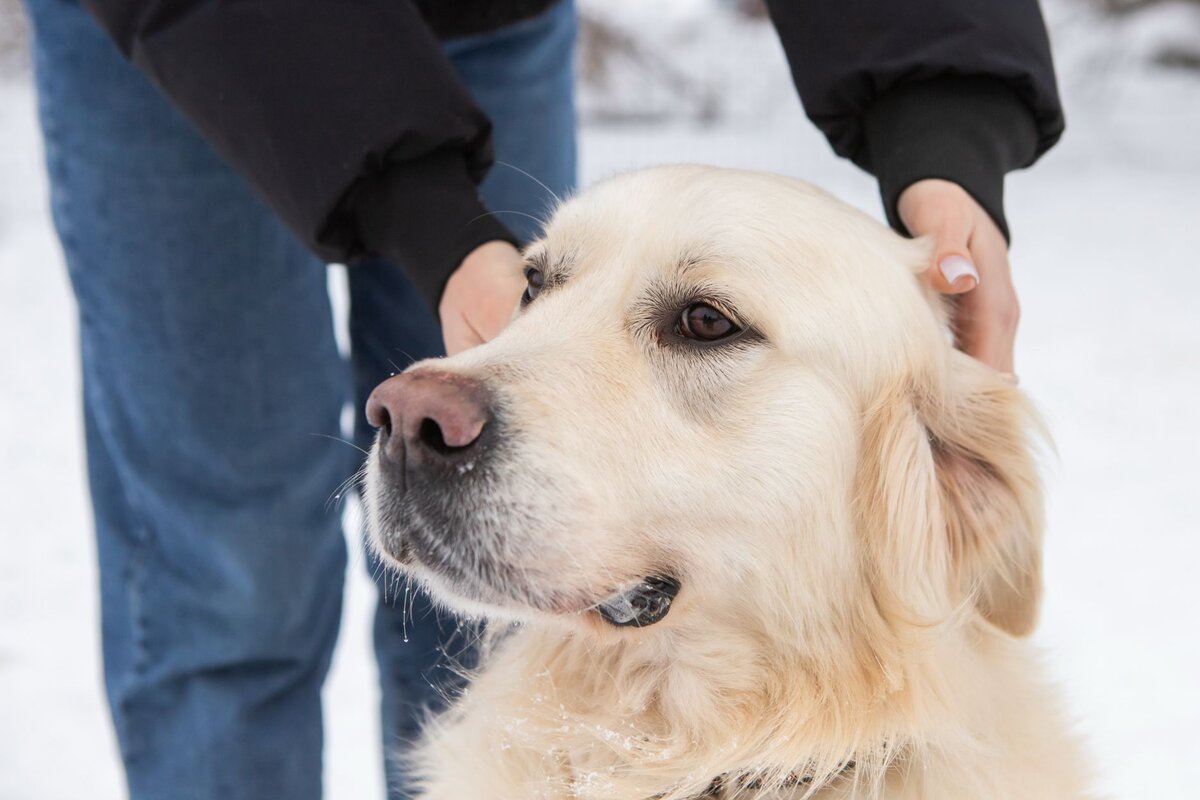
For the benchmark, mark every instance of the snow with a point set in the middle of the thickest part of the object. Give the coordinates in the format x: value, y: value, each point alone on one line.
x: 1107, y: 237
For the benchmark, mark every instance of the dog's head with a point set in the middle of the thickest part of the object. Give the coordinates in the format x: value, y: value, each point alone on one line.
x: 726, y: 395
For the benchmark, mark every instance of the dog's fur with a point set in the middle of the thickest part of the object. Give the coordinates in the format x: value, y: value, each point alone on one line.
x: 851, y: 507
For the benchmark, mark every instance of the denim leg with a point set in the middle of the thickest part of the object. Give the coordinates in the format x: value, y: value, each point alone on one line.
x: 210, y: 375
x: 522, y: 77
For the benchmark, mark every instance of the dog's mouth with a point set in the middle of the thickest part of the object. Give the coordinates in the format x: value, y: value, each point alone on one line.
x: 644, y: 603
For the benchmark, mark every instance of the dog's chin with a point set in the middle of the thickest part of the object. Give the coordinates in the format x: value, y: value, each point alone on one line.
x: 473, y: 583
x: 638, y: 603
x: 445, y: 556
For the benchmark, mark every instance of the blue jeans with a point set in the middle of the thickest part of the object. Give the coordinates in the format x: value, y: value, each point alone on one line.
x: 211, y: 379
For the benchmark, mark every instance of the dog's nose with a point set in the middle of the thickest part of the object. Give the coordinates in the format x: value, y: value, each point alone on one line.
x: 428, y: 415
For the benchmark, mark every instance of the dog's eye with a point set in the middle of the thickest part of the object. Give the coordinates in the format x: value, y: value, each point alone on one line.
x: 702, y: 322
x: 534, y: 281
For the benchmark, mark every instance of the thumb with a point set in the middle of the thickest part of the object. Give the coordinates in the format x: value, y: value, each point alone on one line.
x: 953, y: 270
x: 953, y: 273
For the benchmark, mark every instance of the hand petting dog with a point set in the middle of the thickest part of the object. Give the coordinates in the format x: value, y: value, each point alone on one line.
x: 970, y: 260
x: 480, y: 296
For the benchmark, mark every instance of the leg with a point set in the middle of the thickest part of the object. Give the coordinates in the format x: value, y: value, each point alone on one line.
x: 522, y: 77
x: 209, y: 363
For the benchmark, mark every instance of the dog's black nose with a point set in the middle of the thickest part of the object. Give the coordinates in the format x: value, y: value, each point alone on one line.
x: 429, y: 416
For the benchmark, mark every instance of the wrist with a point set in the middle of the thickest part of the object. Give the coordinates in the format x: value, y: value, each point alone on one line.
x: 969, y: 131
x: 426, y: 218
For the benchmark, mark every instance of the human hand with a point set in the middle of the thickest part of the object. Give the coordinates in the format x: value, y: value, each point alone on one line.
x: 481, y: 295
x: 970, y: 260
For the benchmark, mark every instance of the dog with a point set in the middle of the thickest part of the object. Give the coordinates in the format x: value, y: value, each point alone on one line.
x: 760, y: 530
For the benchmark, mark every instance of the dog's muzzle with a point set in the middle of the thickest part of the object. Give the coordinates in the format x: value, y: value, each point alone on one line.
x: 438, y: 434
x: 642, y: 604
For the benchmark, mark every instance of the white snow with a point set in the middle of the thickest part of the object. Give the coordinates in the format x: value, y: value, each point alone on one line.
x: 1107, y: 260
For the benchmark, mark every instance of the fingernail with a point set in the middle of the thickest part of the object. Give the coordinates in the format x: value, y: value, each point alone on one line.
x: 955, y: 268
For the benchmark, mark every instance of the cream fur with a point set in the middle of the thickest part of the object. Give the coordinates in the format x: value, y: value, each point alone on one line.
x: 852, y: 508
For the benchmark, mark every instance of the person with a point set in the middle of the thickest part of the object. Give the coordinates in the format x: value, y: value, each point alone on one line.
x: 207, y: 166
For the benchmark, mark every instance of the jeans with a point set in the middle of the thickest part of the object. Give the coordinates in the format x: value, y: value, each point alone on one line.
x: 211, y: 383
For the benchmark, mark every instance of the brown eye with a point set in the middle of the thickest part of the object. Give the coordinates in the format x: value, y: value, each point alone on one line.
x: 534, y: 280
x: 702, y: 322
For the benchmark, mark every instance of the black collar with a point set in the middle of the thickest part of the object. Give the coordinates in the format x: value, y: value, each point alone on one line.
x: 743, y: 782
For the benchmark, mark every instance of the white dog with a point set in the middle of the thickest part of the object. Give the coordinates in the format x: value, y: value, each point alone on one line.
x: 766, y: 533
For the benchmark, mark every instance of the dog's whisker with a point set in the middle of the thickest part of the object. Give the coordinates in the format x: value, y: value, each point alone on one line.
x: 338, y: 494
x: 405, y: 608
x: 518, y: 213
x: 515, y: 168
x: 343, y: 441
x: 381, y: 575
x: 411, y: 359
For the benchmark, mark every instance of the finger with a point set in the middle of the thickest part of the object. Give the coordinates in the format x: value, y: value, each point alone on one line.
x: 457, y: 343
x: 954, y: 273
x: 953, y: 270
x: 979, y: 336
x: 501, y: 313
x: 460, y: 335
x: 986, y: 319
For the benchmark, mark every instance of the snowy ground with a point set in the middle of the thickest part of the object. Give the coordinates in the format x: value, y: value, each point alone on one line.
x: 1107, y: 259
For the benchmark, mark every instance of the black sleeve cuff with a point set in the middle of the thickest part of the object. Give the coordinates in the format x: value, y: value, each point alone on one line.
x: 968, y: 130
x: 425, y: 216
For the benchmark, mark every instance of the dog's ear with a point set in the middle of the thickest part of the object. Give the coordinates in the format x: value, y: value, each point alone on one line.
x: 949, y: 497
x: 990, y: 495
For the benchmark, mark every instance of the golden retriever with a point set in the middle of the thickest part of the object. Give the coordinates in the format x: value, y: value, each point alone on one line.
x: 763, y: 532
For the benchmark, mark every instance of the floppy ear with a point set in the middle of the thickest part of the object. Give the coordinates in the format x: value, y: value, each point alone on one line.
x: 990, y: 495
x: 949, y: 497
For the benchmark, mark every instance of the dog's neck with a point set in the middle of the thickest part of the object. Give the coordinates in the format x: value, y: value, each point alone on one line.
x: 682, y: 711
x: 665, y: 712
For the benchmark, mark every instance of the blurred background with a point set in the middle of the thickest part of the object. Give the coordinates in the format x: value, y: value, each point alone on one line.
x: 1106, y: 254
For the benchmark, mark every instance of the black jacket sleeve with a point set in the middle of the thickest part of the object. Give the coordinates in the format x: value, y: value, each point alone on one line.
x: 957, y: 89
x: 329, y: 109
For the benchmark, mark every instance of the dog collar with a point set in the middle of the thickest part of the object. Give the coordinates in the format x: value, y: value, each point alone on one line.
x: 739, y: 783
